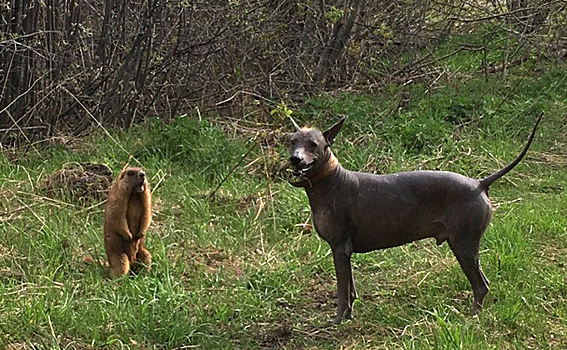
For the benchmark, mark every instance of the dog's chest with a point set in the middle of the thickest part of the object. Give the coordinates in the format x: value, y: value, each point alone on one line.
x: 329, y: 219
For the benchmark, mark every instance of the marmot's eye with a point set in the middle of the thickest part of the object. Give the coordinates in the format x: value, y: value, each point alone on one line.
x: 313, y: 144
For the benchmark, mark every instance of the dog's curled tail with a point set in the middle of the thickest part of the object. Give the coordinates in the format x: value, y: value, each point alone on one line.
x: 487, y: 181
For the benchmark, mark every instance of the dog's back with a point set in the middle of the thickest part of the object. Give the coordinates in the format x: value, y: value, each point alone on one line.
x: 383, y: 211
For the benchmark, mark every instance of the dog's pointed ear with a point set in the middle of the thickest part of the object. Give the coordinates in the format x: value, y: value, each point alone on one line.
x: 333, y: 131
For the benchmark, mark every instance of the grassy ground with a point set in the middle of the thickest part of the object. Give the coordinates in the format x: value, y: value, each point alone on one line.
x: 244, y: 272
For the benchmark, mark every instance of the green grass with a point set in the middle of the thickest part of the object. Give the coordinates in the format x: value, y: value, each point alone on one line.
x: 240, y: 273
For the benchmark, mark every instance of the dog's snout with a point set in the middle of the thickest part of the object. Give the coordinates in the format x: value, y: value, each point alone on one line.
x: 294, y: 159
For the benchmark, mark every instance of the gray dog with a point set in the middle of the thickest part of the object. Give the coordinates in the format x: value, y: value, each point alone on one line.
x: 359, y: 212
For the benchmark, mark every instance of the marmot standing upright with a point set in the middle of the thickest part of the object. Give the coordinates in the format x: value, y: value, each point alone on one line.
x: 127, y: 215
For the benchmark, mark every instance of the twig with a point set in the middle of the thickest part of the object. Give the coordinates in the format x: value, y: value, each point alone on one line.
x: 160, y: 180
x: 502, y: 14
x: 246, y: 93
x: 254, y: 143
x: 510, y: 92
x: 54, y: 202
x: 269, y: 188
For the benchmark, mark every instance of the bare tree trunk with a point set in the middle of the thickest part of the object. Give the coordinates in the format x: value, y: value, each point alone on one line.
x: 337, y: 40
x: 104, y: 36
x: 13, y: 73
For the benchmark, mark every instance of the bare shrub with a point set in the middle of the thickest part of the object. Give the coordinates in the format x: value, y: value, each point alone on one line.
x: 68, y: 65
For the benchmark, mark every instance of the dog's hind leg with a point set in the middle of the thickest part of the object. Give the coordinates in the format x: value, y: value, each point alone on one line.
x: 465, y: 232
x: 466, y: 253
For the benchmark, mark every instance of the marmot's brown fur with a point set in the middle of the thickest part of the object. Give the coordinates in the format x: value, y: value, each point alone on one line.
x: 127, y: 215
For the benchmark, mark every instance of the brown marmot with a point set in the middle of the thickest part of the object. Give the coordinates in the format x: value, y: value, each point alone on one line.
x: 127, y: 215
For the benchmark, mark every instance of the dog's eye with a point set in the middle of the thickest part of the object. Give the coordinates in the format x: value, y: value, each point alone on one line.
x: 313, y: 144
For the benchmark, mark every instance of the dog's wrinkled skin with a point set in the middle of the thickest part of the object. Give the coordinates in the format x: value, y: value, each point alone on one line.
x: 359, y: 212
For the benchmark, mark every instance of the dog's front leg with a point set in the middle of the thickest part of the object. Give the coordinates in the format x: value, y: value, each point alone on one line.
x: 345, y: 285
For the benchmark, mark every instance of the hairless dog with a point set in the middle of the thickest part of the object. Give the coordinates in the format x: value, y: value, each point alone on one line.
x: 359, y: 212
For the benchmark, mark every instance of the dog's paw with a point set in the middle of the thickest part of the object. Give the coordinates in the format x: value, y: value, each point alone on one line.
x: 336, y: 321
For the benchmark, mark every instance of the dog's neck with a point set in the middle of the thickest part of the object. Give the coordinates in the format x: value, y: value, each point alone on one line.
x: 308, y: 181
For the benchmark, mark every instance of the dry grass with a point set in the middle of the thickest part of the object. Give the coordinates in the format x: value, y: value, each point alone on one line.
x: 78, y: 182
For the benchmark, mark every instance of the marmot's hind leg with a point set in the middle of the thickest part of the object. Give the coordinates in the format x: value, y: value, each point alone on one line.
x: 119, y: 265
x: 143, y: 258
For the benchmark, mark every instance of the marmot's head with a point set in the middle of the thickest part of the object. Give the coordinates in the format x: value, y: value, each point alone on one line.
x: 134, y: 180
